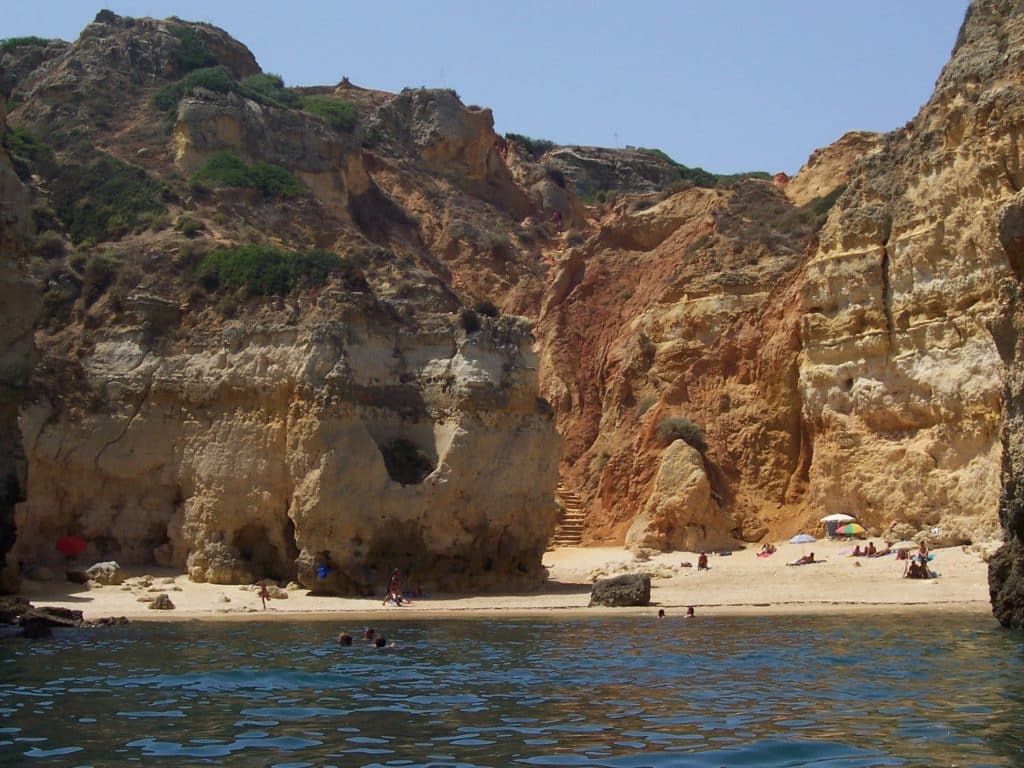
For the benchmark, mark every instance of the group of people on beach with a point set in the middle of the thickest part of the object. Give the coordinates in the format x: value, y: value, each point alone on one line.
x: 917, y: 566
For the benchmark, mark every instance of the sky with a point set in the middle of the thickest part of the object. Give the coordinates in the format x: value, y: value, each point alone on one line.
x: 728, y: 85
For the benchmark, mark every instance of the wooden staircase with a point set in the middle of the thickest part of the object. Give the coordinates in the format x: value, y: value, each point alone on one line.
x: 569, y: 530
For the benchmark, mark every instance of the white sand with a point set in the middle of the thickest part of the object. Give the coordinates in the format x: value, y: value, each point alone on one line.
x: 738, y: 583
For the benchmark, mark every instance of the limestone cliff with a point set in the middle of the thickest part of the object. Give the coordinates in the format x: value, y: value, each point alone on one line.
x: 725, y: 359
x: 900, y: 379
x: 19, y: 307
x: 325, y: 426
x: 272, y: 448
x: 676, y: 320
x: 828, y: 169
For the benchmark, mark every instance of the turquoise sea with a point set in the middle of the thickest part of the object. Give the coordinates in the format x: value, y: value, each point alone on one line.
x: 622, y: 692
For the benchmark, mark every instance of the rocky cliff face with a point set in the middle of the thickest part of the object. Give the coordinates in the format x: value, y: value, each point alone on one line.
x: 989, y: 64
x: 724, y: 362
x: 828, y: 168
x: 676, y: 320
x: 330, y: 434
x: 19, y: 307
x: 271, y: 449
x: 900, y: 379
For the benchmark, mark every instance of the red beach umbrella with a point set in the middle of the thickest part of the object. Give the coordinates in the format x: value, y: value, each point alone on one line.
x: 72, y: 546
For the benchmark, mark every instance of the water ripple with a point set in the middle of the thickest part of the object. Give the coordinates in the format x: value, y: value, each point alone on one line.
x: 607, y: 692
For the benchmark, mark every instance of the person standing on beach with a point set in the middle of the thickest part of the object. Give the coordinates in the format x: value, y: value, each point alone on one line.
x: 264, y: 594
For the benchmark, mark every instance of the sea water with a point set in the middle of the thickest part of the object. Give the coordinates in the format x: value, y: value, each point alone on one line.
x: 620, y: 691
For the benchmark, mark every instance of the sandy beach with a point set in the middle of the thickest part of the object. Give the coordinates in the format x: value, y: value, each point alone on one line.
x: 739, y: 582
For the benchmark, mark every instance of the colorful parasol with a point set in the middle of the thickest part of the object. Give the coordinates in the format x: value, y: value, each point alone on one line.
x: 72, y: 546
x: 850, y: 529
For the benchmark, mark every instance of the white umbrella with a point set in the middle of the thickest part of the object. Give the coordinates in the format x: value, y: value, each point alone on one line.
x: 838, y: 517
x: 802, y: 538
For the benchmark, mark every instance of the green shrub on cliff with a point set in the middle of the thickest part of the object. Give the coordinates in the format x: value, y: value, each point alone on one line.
x: 265, y: 270
x: 225, y: 169
x: 698, y: 177
x: 28, y: 154
x: 216, y: 79
x: 104, y: 200
x: 674, y: 428
x: 192, y: 52
x: 535, y: 147
x: 99, y: 272
x: 269, y: 89
x: 10, y: 43
x: 338, y: 113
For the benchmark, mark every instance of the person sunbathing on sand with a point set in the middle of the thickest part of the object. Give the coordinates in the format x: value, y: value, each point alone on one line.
x: 805, y: 560
x: 766, y: 550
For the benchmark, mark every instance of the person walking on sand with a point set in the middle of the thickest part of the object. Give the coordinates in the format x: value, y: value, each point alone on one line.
x: 264, y: 594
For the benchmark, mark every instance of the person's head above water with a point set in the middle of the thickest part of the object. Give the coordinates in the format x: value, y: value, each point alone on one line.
x: 368, y: 633
x: 661, y: 613
x: 344, y: 639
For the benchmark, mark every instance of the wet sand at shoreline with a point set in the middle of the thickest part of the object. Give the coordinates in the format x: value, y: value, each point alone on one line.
x: 738, y: 583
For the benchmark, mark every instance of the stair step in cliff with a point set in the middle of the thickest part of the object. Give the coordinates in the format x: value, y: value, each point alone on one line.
x: 569, y: 530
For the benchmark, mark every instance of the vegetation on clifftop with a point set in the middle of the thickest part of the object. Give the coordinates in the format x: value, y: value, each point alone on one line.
x: 701, y: 178
x: 338, y: 113
x: 192, y: 52
x: 10, y: 43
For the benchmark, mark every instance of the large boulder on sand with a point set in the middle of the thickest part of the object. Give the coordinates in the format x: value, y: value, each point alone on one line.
x: 105, y: 573
x: 681, y: 513
x: 628, y: 589
x: 162, y: 603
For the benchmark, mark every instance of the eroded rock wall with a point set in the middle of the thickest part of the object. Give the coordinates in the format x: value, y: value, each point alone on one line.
x: 262, y: 453
x: 19, y: 307
x: 681, y: 313
x: 900, y: 378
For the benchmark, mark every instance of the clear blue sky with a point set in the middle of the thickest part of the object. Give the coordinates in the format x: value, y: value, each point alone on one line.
x: 729, y: 85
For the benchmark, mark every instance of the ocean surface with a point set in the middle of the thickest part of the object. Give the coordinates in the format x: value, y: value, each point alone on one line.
x: 623, y: 692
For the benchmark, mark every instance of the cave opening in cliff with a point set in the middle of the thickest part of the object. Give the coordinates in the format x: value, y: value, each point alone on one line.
x: 253, y: 544
x: 405, y: 462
